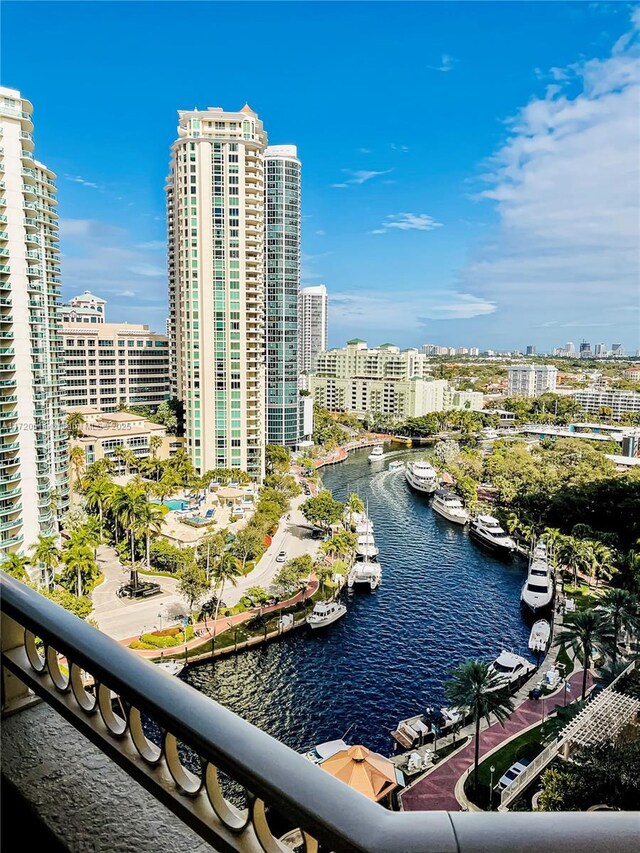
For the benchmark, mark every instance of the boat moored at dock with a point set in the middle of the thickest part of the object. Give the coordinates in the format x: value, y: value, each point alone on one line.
x: 422, y: 476
x: 449, y: 506
x: 322, y: 751
x: 539, y: 637
x: 487, y: 530
x: 423, y: 728
x: 365, y: 572
x: 366, y: 546
x: 511, y: 669
x: 325, y: 613
x: 537, y: 591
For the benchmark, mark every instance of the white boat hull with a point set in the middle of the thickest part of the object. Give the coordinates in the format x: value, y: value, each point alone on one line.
x: 456, y: 519
x: 537, y: 601
x: 425, y: 487
x: 539, y: 638
x: 326, y: 620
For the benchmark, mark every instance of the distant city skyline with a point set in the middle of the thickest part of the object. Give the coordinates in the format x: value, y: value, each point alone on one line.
x: 496, y: 210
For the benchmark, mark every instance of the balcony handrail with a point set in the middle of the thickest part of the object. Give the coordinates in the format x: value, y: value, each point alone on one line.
x: 323, y: 807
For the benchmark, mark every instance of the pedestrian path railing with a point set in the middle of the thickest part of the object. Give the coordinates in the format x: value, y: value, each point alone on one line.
x: 48, y: 651
x: 529, y: 774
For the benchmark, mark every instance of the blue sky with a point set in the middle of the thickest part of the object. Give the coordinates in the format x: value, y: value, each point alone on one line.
x: 470, y: 170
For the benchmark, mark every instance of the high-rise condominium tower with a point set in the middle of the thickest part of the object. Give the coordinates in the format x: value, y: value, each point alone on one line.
x: 33, y: 452
x: 215, y: 202
x: 282, y: 279
x: 312, y: 325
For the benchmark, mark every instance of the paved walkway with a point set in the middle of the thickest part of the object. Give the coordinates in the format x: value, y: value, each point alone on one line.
x: 210, y: 629
x: 436, y: 790
x: 122, y: 617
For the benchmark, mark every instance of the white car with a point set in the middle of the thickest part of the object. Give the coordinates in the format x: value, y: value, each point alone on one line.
x: 512, y: 773
x: 282, y: 557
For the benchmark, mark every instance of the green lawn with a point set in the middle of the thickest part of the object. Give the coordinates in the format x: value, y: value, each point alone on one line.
x: 582, y: 595
x: 528, y: 745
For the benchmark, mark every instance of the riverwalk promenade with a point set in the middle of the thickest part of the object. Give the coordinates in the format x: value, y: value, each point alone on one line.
x: 436, y: 790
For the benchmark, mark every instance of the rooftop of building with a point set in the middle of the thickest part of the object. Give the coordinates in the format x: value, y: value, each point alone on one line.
x: 86, y: 296
x: 99, y: 424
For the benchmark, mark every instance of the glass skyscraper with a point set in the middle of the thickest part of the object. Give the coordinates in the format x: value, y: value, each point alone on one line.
x: 282, y: 281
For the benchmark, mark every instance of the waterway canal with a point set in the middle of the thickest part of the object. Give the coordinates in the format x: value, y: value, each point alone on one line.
x: 443, y: 599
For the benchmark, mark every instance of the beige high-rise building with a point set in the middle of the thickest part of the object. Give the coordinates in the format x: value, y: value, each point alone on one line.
x: 215, y: 206
x: 33, y: 452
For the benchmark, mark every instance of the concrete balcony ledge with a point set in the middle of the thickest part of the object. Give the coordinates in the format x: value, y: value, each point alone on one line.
x: 79, y: 795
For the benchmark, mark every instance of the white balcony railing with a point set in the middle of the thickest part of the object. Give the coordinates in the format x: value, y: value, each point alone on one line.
x: 332, y: 816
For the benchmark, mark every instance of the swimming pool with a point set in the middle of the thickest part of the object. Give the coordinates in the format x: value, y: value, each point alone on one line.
x: 177, y: 504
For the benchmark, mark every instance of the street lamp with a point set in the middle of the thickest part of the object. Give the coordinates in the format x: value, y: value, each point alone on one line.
x: 492, y: 770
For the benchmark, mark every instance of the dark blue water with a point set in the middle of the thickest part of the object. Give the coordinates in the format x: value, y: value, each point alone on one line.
x: 443, y: 599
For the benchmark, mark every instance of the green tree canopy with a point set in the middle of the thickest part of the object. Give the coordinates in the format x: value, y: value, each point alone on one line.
x: 322, y: 510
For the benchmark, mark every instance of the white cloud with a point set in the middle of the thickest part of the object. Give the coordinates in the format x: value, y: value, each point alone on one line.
x: 359, y: 176
x: 408, y: 222
x: 566, y: 185
x: 106, y: 259
x: 401, y: 313
x: 78, y: 179
x: 365, y: 151
x: 447, y: 63
x: 403, y: 148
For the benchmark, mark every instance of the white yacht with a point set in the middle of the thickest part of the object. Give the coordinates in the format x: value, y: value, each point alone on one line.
x: 449, y: 506
x: 396, y: 465
x: 486, y: 529
x: 366, y: 546
x: 365, y: 572
x: 376, y: 453
x: 324, y: 613
x: 539, y: 637
x: 537, y: 591
x: 364, y: 527
x: 422, y: 476
x: 510, y: 669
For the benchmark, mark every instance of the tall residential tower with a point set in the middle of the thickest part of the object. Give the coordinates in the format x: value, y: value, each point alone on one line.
x: 33, y: 452
x: 215, y: 204
x: 312, y: 325
x: 282, y: 278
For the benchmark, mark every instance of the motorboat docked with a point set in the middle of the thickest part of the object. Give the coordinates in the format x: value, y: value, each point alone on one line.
x: 449, y: 506
x: 486, y: 529
x: 366, y: 572
x: 396, y: 465
x: 376, y: 453
x: 422, y: 728
x: 325, y: 613
x: 511, y: 669
x: 539, y: 637
x: 364, y: 527
x: 537, y: 591
x: 322, y: 751
x: 366, y: 546
x: 422, y: 476
x: 171, y: 667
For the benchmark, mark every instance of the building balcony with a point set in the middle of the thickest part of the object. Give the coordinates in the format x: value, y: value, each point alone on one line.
x: 5, y: 544
x: 73, y: 754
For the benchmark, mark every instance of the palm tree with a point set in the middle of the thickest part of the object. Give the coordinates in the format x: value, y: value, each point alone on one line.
x: 155, y: 443
x: 120, y: 455
x: 97, y: 495
x: 226, y: 569
x: 89, y: 535
x: 47, y: 554
x: 478, y: 689
x: 621, y: 607
x: 15, y: 565
x: 80, y: 565
x: 602, y: 561
x: 354, y: 504
x: 552, y: 539
x: 128, y: 506
x: 584, y: 632
x: 77, y: 461
x: 150, y: 522
x: 75, y: 421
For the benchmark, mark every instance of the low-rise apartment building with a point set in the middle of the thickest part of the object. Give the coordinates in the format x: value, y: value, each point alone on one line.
x: 103, y: 433
x: 107, y: 365
x: 620, y: 402
x: 383, y: 380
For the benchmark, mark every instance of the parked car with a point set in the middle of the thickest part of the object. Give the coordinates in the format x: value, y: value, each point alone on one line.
x: 512, y: 773
x: 282, y: 557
